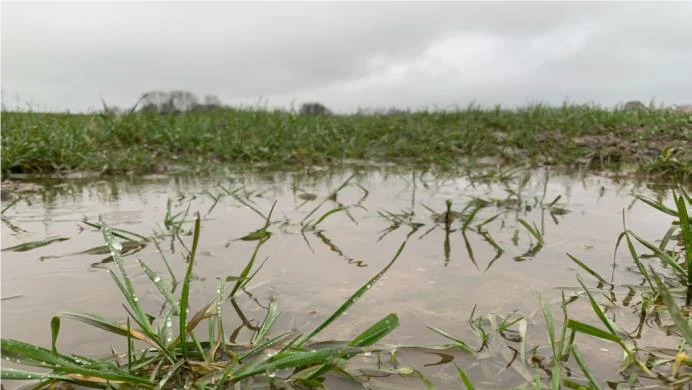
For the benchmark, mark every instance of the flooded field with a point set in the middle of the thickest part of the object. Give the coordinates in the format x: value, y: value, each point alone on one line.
x: 479, y: 250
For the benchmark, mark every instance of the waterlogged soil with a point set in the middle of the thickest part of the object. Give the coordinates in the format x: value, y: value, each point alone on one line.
x: 445, y: 273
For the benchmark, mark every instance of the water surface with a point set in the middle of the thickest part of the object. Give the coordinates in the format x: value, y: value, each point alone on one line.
x: 438, y: 280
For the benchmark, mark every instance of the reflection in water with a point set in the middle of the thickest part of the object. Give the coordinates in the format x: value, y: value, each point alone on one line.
x: 477, y: 243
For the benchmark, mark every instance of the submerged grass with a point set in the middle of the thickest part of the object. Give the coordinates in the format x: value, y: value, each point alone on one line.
x: 652, y: 141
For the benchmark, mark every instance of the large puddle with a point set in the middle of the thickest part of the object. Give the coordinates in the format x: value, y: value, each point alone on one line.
x: 446, y: 271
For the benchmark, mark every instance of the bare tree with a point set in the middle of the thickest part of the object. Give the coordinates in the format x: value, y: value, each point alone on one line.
x: 314, y: 108
x: 212, y: 100
x: 168, y: 102
x: 634, y: 105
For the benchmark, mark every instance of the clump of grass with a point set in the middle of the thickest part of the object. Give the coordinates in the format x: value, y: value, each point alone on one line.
x: 473, y: 218
x: 656, y: 295
x: 653, y: 141
x: 174, y: 356
x: 664, y: 291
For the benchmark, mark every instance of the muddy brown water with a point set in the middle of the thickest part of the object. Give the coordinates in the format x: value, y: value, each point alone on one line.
x: 437, y: 281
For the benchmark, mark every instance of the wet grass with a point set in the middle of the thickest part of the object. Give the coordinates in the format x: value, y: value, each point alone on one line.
x: 190, y: 347
x: 664, y: 299
x: 649, y: 141
x: 174, y: 357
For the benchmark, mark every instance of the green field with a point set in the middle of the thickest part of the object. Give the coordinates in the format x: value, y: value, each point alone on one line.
x: 646, y: 141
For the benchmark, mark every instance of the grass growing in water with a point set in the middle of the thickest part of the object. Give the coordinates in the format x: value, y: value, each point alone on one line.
x: 551, y: 366
x: 177, y: 360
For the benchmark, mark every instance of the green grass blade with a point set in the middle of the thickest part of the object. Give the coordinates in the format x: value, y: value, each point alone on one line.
x: 637, y: 261
x: 523, y: 324
x: 666, y: 237
x: 588, y: 269
x: 165, y: 261
x: 464, y: 378
x: 428, y: 385
x: 599, y: 312
x: 185, y: 293
x: 14, y: 202
x: 324, y: 216
x: 487, y: 221
x: 666, y: 258
x: 459, y: 343
x: 352, y: 300
x: 331, y: 196
x: 582, y: 365
x: 550, y: 327
x: 101, y: 323
x: 370, y: 336
x: 563, y: 331
x: 555, y: 376
x: 120, y: 233
x: 269, y: 319
x: 54, y: 330
x: 15, y: 374
x: 160, y: 283
x: 171, y: 371
x: 27, y: 246
x: 263, y: 345
x: 658, y: 205
x: 471, y: 217
x: 533, y: 230
x: 248, y: 267
x: 30, y: 355
x: 243, y: 202
x: 674, y: 310
x: 243, y: 278
x: 376, y: 332
x: 687, y: 242
x: 287, y: 360
x: 124, y: 281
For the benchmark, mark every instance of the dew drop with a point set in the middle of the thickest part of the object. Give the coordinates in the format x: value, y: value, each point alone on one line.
x: 117, y: 246
x: 157, y: 279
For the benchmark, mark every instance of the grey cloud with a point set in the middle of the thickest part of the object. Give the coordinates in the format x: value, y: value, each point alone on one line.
x: 68, y: 55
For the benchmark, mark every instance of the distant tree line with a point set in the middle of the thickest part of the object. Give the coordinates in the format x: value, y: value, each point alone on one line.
x: 178, y: 101
x: 174, y: 102
x: 314, y: 108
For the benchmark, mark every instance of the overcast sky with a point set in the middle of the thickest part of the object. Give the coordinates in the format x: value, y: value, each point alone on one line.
x: 69, y: 55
